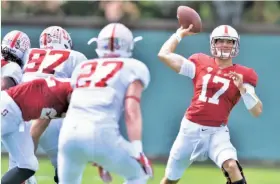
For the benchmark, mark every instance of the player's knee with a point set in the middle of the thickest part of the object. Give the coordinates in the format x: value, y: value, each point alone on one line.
x: 31, y: 164
x: 173, y: 174
x: 230, y: 165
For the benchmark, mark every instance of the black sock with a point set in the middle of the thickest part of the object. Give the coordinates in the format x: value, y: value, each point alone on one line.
x: 55, y: 176
x: 17, y: 176
x: 240, y: 182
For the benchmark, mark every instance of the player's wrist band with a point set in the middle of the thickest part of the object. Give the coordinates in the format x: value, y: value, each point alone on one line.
x: 177, y: 36
x: 137, y: 146
x: 249, y: 100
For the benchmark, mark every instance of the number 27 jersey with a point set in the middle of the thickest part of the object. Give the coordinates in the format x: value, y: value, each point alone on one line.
x: 100, y: 86
x: 42, y: 63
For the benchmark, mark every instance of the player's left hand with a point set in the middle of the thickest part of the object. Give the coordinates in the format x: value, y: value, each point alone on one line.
x: 237, y: 79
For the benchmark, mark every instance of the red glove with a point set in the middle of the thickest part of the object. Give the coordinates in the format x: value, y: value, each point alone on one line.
x: 146, y: 165
x: 137, y: 152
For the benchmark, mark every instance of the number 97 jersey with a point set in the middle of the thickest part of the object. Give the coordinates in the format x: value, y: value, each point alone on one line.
x: 42, y: 63
x: 100, y: 87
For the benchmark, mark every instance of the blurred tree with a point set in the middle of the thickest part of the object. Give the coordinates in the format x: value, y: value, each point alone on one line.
x: 81, y: 8
x: 149, y: 9
x: 262, y: 12
x: 254, y: 11
x: 43, y: 7
x: 119, y: 11
x: 228, y: 12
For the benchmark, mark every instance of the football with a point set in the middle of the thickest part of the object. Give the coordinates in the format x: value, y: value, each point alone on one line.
x: 187, y: 16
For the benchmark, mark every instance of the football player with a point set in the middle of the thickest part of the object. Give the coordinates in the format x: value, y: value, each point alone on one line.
x: 55, y: 57
x: 13, y: 47
x: 41, y: 98
x: 218, y: 86
x: 103, y: 87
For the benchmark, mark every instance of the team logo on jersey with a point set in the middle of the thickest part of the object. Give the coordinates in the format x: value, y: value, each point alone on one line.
x: 209, y: 69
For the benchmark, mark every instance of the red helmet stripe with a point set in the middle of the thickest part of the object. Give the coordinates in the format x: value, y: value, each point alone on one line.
x: 226, y: 30
x: 45, y: 39
x: 15, y: 39
x: 113, y: 38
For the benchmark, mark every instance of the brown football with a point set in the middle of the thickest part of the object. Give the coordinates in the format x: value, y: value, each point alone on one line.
x: 187, y: 16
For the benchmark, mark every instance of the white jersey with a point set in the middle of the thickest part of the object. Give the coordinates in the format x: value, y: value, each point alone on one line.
x: 41, y: 63
x: 100, y: 86
x: 11, y: 69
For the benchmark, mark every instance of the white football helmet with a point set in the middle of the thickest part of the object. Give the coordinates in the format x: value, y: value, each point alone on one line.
x: 14, y: 45
x: 224, y: 32
x: 55, y: 37
x: 115, y: 40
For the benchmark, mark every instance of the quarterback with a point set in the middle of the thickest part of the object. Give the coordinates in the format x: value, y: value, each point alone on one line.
x: 218, y: 85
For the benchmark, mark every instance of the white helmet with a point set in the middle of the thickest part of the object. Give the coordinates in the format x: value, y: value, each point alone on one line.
x: 14, y: 45
x: 55, y: 37
x: 224, y: 32
x: 115, y: 40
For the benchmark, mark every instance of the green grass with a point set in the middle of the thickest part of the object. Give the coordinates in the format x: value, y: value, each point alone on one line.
x: 194, y: 175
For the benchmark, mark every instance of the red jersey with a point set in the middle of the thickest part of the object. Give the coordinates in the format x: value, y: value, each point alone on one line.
x: 41, y: 98
x: 214, y: 91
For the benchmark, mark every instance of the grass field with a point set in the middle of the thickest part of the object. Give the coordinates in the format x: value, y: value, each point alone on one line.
x: 194, y: 175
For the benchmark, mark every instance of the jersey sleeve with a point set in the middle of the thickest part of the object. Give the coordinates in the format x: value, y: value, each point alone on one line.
x: 74, y: 76
x: 251, y: 77
x: 188, y: 67
x: 194, y: 58
x: 75, y: 59
x: 140, y: 72
x: 79, y: 57
x: 14, y: 71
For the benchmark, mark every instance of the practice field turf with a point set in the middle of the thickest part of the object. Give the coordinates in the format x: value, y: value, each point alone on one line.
x: 194, y: 175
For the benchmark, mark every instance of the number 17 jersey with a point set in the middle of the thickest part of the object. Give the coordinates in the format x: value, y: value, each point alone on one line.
x: 215, y: 94
x: 42, y: 63
x: 100, y: 87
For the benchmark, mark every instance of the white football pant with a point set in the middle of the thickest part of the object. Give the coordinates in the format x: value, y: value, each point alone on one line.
x: 15, y: 134
x: 81, y: 142
x: 195, y: 142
